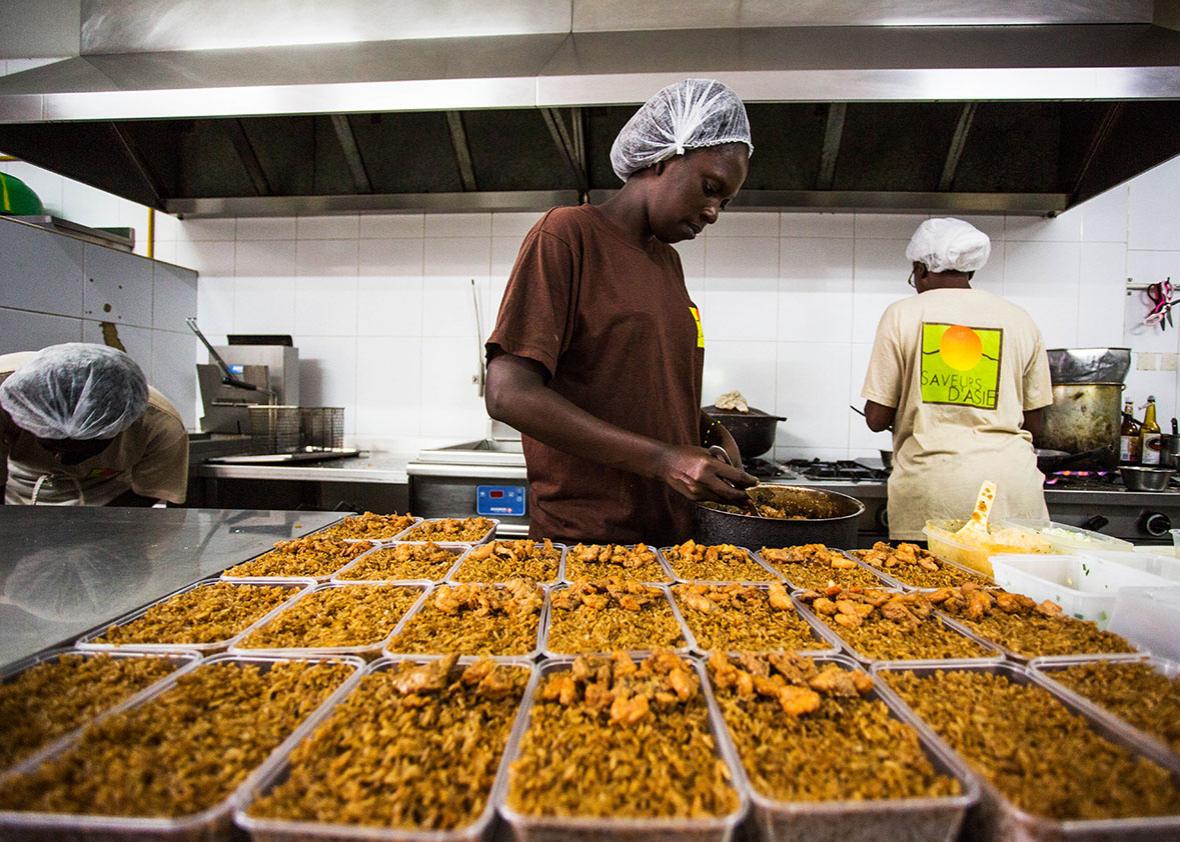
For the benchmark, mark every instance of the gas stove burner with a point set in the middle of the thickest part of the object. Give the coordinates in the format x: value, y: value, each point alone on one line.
x: 761, y: 468
x: 844, y: 469
x: 1083, y: 480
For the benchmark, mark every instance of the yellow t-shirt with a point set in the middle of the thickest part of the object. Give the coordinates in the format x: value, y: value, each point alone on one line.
x: 960, y: 366
x: 150, y: 458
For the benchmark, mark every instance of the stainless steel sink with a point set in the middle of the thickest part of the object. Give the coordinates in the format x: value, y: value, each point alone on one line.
x: 483, y: 452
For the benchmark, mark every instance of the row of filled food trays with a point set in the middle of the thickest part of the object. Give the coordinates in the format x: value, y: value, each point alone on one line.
x: 338, y: 779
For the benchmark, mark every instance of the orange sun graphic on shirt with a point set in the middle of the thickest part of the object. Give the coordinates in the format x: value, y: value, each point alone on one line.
x: 961, y: 348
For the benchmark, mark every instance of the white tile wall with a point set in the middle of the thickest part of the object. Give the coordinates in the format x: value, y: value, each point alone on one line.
x: 382, y: 302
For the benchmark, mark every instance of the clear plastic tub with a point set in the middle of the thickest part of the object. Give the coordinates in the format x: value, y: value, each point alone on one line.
x: 382, y: 540
x: 826, y: 643
x: 1084, y: 586
x: 542, y: 628
x: 562, y: 550
x: 942, y: 542
x: 1164, y: 566
x: 860, y: 820
x: 1152, y: 746
x: 487, y: 536
x: 997, y: 819
x: 669, y: 575
x: 341, y: 575
x: 771, y: 574
x: 288, y: 830
x: 885, y: 580
x: 325, y: 577
x: 1069, y: 539
x: 183, y: 661
x: 1150, y: 618
x: 994, y: 654
x: 212, y: 823
x: 690, y: 643
x: 367, y: 650
x: 587, y: 829
x: 298, y: 587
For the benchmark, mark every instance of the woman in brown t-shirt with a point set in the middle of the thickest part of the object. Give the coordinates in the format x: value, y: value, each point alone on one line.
x: 598, y: 350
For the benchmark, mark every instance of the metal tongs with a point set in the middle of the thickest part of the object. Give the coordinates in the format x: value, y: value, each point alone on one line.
x: 751, y: 507
x: 228, y: 378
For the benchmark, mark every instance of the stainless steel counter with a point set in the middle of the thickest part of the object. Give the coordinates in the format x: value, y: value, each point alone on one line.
x: 379, y: 468
x: 65, y: 570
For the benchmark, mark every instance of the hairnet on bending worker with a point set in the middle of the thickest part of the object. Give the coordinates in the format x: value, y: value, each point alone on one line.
x: 949, y: 245
x: 79, y: 425
x: 76, y: 391
x: 692, y: 114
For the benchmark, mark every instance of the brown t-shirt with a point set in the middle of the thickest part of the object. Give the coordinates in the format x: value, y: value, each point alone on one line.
x: 613, y: 325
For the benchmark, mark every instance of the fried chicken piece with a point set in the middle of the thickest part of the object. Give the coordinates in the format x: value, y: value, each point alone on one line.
x: 896, y: 610
x: 794, y: 668
x: 628, y: 711
x: 1049, y: 609
x: 834, y: 681
x: 779, y: 600
x: 478, y: 671
x: 824, y: 606
x: 979, y: 603
x: 941, y: 595
x: 683, y: 683
x: 562, y: 687
x: 848, y: 620
x: 598, y: 696
x: 863, y: 682
x: 664, y: 661
x: 448, y: 600
x: 699, y: 602
x: 496, y: 684
x: 833, y: 590
x: 798, y: 701
x: 1014, y: 603
x: 753, y: 664
x: 842, y: 563
x: 809, y: 595
x: 856, y: 609
x: 582, y: 668
x: 425, y: 678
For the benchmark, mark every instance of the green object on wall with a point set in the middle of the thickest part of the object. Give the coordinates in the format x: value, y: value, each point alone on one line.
x: 17, y: 198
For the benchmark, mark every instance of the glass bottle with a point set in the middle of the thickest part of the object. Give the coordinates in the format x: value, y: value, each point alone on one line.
x: 1129, y: 436
x: 1149, y: 435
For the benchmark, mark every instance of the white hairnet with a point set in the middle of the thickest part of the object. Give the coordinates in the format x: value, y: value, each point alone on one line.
x: 688, y: 115
x: 76, y: 391
x: 949, y: 245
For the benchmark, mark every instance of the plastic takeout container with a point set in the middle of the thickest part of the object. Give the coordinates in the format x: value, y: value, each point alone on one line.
x: 551, y: 613
x: 943, y: 542
x: 997, y: 819
x: 343, y: 574
x: 483, y: 539
x: 390, y: 649
x: 363, y: 650
x: 526, y: 828
x: 884, y: 580
x: 669, y: 575
x: 927, y: 818
x: 212, y: 823
x: 1084, y: 586
x: 322, y: 577
x: 1150, y: 618
x: 297, y: 587
x: 1068, y: 539
x: 1152, y: 745
x: 826, y: 643
x: 384, y: 539
x: 989, y: 652
x: 771, y: 574
x: 182, y: 661
x: 560, y: 577
x: 1166, y: 566
x: 294, y: 829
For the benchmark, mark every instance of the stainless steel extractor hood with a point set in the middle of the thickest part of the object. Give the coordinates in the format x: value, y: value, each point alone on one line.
x: 217, y: 107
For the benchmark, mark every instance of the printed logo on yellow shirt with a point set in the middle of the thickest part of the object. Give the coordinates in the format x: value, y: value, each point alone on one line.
x: 696, y: 317
x: 961, y: 365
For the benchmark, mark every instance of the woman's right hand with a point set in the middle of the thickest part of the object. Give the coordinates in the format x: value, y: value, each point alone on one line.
x: 695, y: 474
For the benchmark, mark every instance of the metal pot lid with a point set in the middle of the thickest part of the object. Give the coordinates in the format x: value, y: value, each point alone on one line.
x: 1089, y: 365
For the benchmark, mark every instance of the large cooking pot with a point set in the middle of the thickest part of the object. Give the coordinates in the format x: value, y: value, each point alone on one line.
x: 1084, y: 417
x: 753, y: 431
x: 825, y: 517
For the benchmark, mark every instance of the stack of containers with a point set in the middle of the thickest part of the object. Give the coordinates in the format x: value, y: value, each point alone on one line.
x: 996, y: 817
